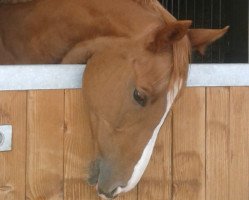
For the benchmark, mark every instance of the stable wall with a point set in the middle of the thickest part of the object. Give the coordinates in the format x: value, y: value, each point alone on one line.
x: 202, y: 152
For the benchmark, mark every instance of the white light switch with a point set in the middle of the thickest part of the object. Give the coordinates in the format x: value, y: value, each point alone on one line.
x: 5, y: 137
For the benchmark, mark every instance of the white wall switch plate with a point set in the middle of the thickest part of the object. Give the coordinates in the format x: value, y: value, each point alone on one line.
x: 5, y: 137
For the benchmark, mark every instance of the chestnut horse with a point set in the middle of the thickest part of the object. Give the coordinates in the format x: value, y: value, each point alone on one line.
x: 137, y: 57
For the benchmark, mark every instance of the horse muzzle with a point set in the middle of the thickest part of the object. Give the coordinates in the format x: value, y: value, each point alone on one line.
x: 107, y: 195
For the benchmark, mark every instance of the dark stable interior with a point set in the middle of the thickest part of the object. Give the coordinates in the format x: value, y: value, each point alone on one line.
x: 233, y: 48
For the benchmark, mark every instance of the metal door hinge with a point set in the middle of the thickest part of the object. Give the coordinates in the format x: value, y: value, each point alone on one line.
x: 5, y: 137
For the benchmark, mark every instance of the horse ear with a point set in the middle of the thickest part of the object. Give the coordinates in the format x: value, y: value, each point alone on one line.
x: 201, y: 38
x: 169, y: 34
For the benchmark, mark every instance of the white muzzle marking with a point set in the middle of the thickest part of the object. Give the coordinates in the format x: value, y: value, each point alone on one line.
x: 144, y: 160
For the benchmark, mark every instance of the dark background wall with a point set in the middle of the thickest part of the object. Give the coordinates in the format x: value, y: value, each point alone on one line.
x: 233, y: 48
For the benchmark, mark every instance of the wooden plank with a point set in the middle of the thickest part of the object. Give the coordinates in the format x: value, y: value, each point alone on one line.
x: 239, y: 144
x: 189, y: 146
x: 78, y: 150
x: 156, y: 183
x: 217, y: 144
x: 45, y: 145
x: 12, y: 164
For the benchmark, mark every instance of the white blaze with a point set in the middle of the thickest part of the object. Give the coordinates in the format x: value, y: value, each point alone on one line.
x: 144, y: 160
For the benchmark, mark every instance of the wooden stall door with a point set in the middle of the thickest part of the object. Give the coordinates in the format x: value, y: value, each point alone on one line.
x: 202, y: 152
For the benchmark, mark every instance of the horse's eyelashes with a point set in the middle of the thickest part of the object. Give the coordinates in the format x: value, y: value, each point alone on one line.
x: 140, y: 98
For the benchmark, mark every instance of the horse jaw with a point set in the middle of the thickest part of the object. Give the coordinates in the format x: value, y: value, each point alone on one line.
x: 147, y: 152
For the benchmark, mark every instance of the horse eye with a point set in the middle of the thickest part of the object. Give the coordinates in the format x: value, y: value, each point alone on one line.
x: 141, y: 99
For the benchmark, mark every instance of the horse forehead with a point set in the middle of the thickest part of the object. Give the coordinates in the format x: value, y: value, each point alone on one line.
x: 154, y: 71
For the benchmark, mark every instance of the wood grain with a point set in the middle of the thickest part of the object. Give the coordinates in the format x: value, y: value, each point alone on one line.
x: 78, y: 150
x: 186, y: 163
x: 189, y: 146
x: 12, y: 163
x: 217, y: 144
x: 239, y: 144
x: 156, y: 183
x: 45, y: 145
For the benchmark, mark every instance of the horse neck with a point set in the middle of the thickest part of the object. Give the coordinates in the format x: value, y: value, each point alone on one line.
x: 44, y: 33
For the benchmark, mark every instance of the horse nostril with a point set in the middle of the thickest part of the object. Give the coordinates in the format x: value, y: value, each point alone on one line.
x: 113, y: 191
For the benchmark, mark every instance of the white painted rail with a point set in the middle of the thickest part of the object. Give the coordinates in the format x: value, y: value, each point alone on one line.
x: 218, y: 75
x: 35, y: 77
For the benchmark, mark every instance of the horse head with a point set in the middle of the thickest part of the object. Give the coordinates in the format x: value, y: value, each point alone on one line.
x: 129, y: 86
x: 132, y: 76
